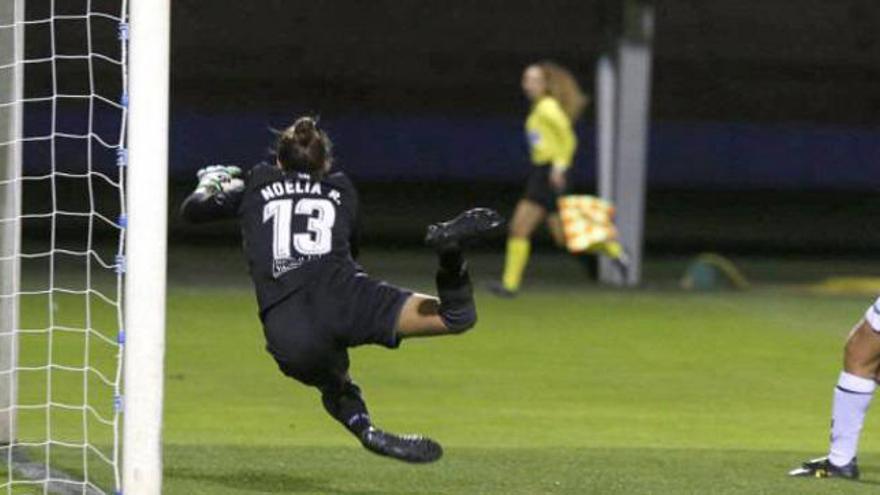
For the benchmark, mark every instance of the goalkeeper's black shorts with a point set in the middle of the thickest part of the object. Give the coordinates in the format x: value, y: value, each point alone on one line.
x: 309, y: 332
x: 539, y: 190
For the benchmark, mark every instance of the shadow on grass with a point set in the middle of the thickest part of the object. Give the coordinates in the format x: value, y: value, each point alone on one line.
x: 326, y: 470
x: 871, y: 468
x: 269, y: 482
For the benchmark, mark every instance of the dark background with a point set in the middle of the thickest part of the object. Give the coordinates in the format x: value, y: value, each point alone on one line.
x: 765, y: 115
x: 749, y: 60
x: 778, y: 94
x: 775, y: 102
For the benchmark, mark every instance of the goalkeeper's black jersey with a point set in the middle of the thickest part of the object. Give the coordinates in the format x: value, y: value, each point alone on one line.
x: 292, y: 226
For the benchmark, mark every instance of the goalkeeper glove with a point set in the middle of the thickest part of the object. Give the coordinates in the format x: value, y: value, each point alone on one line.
x: 219, y: 178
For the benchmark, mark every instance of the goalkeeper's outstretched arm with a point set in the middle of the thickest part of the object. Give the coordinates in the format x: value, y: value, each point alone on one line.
x: 217, y: 196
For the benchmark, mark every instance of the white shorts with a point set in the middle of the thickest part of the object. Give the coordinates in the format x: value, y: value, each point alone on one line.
x: 873, y: 316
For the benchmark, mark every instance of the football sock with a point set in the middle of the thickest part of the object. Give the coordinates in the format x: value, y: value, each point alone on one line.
x: 851, y: 400
x: 457, y: 308
x: 451, y: 260
x: 612, y: 249
x: 518, y: 249
x: 347, y: 406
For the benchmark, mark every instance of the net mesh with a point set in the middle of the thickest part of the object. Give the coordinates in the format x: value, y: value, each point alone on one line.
x: 62, y: 343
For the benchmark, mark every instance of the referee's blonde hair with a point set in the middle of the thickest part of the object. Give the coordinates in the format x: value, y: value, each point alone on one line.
x: 562, y: 86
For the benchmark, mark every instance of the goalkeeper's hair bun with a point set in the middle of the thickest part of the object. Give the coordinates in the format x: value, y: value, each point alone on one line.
x: 303, y: 147
x: 304, y: 131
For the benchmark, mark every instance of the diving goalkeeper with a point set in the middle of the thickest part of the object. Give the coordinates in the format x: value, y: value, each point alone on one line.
x: 298, y: 221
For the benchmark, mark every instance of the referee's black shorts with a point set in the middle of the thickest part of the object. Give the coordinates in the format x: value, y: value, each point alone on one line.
x: 310, y: 331
x: 539, y: 190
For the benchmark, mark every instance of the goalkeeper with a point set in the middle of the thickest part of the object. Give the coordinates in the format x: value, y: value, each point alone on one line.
x: 298, y: 222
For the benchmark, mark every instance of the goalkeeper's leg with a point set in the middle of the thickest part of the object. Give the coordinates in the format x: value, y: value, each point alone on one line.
x: 325, y: 367
x: 454, y: 311
x: 327, y: 370
x: 344, y: 402
x: 342, y: 399
x: 313, y: 352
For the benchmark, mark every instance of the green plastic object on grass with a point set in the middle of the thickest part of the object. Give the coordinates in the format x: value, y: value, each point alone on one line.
x: 713, y: 272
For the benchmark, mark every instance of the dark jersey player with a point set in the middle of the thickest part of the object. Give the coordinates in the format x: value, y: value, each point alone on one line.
x: 298, y: 222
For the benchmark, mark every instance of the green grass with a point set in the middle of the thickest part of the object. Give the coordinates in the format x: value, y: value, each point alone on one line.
x: 566, y: 390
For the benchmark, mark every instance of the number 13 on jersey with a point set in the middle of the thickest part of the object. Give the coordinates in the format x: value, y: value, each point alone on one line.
x: 317, y: 240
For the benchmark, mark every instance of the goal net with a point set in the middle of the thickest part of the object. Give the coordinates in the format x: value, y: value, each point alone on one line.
x: 63, y: 114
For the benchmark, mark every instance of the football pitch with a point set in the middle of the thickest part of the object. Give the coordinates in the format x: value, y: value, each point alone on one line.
x: 568, y: 389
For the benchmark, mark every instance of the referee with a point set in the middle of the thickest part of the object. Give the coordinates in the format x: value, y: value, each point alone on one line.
x: 557, y: 102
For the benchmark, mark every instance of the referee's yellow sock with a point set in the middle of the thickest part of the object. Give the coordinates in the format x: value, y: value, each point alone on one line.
x: 518, y: 250
x: 612, y: 249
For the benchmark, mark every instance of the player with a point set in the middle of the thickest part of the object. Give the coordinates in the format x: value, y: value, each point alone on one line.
x: 557, y: 102
x: 855, y: 389
x: 298, y: 222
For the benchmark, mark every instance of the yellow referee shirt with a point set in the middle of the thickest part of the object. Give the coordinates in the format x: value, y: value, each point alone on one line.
x: 550, y: 134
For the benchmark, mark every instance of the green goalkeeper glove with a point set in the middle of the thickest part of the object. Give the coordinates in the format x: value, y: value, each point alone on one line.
x: 219, y: 178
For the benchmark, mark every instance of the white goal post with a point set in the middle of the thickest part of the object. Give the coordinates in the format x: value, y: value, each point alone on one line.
x: 623, y: 80
x: 147, y: 245
x: 11, y: 83
x: 80, y: 104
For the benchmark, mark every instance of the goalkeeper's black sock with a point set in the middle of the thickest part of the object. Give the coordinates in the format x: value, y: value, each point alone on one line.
x: 451, y: 260
x: 347, y: 406
x: 457, y: 308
